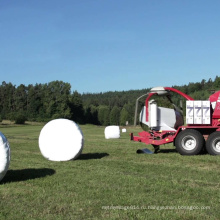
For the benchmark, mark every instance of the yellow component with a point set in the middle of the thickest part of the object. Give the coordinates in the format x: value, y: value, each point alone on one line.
x: 167, y: 139
x: 160, y: 131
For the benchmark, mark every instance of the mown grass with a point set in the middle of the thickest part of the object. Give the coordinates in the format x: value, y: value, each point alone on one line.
x: 108, y: 181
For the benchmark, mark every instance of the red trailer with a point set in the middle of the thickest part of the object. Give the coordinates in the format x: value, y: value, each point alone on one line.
x: 166, y: 125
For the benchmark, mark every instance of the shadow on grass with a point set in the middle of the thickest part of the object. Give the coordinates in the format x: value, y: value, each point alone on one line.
x: 161, y: 151
x: 26, y: 174
x: 203, y: 152
x: 91, y: 156
x: 168, y: 151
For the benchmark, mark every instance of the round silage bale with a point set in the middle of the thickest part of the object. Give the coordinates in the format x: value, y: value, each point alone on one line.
x: 112, y: 131
x: 61, y: 140
x: 4, y: 155
x: 124, y: 130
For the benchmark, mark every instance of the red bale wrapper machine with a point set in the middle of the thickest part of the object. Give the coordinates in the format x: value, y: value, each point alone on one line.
x: 166, y: 125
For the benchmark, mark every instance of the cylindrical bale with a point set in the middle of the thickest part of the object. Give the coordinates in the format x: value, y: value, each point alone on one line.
x: 4, y: 155
x: 123, y: 130
x: 61, y: 140
x: 112, y: 131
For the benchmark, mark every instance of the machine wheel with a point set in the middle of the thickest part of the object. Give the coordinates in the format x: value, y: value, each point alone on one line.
x: 213, y: 143
x: 189, y: 142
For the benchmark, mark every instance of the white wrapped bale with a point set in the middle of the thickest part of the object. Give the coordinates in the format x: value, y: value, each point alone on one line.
x: 61, y: 140
x: 124, y: 130
x: 112, y: 131
x: 4, y: 155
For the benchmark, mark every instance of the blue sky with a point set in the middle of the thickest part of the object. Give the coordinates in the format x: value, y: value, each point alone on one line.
x: 109, y: 45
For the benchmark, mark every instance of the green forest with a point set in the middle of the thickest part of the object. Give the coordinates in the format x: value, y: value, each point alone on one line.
x: 56, y: 99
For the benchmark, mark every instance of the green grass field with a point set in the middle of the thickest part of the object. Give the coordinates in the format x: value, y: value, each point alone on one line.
x: 108, y: 181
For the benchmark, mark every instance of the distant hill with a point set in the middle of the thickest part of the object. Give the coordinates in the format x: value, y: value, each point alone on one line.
x: 199, y: 90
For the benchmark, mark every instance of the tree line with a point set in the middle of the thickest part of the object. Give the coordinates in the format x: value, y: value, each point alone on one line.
x: 40, y: 102
x: 44, y: 102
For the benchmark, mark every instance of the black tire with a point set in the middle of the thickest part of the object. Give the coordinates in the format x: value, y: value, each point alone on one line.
x: 213, y: 143
x: 189, y: 142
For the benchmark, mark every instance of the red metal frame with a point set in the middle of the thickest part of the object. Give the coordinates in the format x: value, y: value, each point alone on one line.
x: 155, y: 137
x: 216, y: 113
x: 146, y: 104
x: 214, y: 97
x: 165, y: 137
x: 187, y: 97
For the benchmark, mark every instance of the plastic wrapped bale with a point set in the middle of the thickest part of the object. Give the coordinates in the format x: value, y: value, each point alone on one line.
x: 4, y: 155
x: 61, y: 140
x: 112, y: 131
x: 124, y: 130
